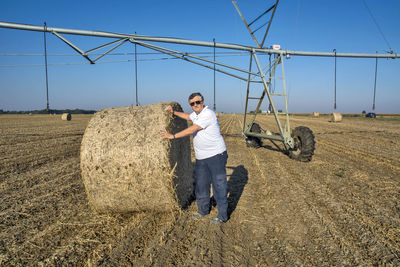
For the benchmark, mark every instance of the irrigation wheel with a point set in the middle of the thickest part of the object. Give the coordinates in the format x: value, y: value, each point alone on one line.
x: 252, y: 141
x: 304, y: 144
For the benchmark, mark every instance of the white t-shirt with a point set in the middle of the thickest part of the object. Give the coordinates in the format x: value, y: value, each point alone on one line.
x: 207, y: 142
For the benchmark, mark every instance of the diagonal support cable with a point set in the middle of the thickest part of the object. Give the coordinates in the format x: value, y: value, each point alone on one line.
x: 105, y: 45
x: 245, y: 23
x: 259, y: 17
x: 186, y: 56
x: 77, y: 49
x: 122, y: 41
x: 118, y: 43
x: 272, y: 8
x: 262, y: 25
x: 269, y: 23
x: 377, y: 26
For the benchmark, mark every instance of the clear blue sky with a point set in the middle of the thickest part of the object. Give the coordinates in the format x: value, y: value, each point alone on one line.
x: 308, y: 25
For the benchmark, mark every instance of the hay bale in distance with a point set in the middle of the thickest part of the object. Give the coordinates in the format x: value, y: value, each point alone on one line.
x: 336, y: 117
x: 316, y: 114
x: 127, y: 166
x: 66, y: 116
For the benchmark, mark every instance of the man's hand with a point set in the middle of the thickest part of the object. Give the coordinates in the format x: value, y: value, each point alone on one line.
x: 179, y: 114
x: 169, y: 109
x: 164, y: 134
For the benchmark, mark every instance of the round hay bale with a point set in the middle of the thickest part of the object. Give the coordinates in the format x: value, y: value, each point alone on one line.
x: 127, y: 166
x: 66, y: 116
x: 336, y: 117
x: 316, y: 114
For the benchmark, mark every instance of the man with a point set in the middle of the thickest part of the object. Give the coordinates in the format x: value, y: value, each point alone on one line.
x: 211, y: 156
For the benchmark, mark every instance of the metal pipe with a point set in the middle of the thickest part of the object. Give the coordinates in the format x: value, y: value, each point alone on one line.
x: 287, y: 133
x: 261, y: 135
x: 329, y: 54
x: 376, y: 72
x: 215, y: 108
x: 247, y: 93
x: 136, y: 81
x: 45, y: 63
x: 191, y: 42
x: 334, y: 105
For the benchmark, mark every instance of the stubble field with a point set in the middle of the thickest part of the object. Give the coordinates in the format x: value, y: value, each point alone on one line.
x: 342, y: 208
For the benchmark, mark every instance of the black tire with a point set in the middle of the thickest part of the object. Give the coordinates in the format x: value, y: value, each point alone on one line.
x: 304, y: 144
x: 252, y: 141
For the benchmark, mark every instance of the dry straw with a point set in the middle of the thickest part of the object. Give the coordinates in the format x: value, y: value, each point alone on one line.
x: 127, y: 166
x: 336, y: 117
x: 66, y: 117
x: 316, y: 114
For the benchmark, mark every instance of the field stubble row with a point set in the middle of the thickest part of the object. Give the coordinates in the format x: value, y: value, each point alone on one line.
x: 342, y: 208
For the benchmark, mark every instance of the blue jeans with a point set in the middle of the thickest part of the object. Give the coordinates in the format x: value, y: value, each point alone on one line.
x: 212, y: 171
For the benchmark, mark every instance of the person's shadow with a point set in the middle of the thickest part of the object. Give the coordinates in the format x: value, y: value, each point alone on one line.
x: 236, y: 183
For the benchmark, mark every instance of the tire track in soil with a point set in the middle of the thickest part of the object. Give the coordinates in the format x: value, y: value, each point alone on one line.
x: 226, y: 124
x: 32, y: 213
x: 289, y: 213
x: 44, y: 179
x: 25, y: 161
x: 290, y: 202
x: 360, y: 216
x: 260, y: 226
x: 280, y: 249
x: 185, y: 243
x: 358, y: 154
x: 370, y: 198
x: 191, y: 243
x: 247, y: 211
x: 327, y: 208
x: 22, y: 139
x: 132, y: 247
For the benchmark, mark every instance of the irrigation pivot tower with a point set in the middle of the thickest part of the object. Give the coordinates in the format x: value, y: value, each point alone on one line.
x: 299, y: 143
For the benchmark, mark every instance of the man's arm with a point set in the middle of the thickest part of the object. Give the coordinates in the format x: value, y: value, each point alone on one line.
x: 179, y: 114
x: 188, y: 131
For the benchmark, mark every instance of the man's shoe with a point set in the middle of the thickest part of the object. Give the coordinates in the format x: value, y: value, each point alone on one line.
x: 216, y: 220
x: 197, y: 216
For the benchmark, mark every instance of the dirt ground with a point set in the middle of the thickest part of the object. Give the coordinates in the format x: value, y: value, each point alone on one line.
x: 342, y: 208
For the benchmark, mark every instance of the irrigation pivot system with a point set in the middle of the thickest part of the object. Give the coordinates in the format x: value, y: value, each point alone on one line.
x: 299, y: 143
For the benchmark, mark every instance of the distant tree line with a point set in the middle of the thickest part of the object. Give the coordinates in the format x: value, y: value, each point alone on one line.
x: 50, y: 111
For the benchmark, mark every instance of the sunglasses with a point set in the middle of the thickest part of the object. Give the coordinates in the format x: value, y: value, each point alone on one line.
x: 198, y: 102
